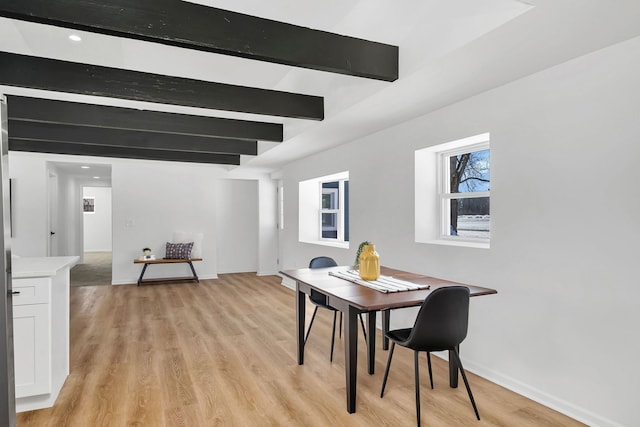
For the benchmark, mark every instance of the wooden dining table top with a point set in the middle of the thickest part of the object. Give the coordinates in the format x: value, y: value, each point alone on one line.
x: 367, y: 299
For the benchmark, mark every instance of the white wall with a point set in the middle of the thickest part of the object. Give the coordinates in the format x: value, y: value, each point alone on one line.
x: 69, y: 217
x: 97, y: 225
x: 29, y: 205
x: 564, y: 152
x: 30, y: 172
x: 267, y: 226
x: 237, y: 225
x: 150, y: 200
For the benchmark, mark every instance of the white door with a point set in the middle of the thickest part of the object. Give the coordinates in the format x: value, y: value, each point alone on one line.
x: 280, y: 204
x: 53, y: 215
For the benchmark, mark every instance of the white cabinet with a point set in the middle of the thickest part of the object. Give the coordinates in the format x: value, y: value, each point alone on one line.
x: 40, y: 329
x: 31, y: 342
x: 31, y: 336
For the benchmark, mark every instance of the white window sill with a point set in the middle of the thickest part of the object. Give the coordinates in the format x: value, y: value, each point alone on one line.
x: 462, y: 243
x: 343, y: 245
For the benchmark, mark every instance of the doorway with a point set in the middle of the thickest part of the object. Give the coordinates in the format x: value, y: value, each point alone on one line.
x: 96, y: 266
x: 80, y: 216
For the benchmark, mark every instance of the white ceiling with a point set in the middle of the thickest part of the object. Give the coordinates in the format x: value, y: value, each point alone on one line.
x: 88, y: 174
x: 449, y: 50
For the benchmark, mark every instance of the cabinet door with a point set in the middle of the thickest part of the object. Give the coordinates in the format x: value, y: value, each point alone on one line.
x: 31, y: 345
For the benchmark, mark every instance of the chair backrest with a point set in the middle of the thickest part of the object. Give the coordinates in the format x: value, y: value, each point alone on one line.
x: 442, y: 321
x: 322, y: 261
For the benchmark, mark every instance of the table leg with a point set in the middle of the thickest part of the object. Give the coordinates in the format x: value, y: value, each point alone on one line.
x: 193, y: 270
x: 144, y: 268
x: 386, y: 316
x: 453, y: 369
x: 300, y: 316
x: 351, y: 356
x: 371, y: 342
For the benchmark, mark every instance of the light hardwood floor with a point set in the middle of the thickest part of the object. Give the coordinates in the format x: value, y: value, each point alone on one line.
x: 222, y: 353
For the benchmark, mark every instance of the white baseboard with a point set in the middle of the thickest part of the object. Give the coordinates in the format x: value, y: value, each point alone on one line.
x: 124, y: 282
x: 567, y: 408
x: 267, y: 273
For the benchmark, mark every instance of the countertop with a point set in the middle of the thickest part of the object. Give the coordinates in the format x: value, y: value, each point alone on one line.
x: 40, y: 266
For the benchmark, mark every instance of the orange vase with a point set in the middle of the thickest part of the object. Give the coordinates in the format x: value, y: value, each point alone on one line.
x: 369, y: 263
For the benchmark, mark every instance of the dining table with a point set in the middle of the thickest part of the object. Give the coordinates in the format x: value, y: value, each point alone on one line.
x: 351, y: 296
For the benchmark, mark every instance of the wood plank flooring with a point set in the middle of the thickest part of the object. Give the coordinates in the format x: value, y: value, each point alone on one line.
x: 222, y: 353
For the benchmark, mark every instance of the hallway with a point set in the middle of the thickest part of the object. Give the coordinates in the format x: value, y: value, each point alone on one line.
x: 95, y: 270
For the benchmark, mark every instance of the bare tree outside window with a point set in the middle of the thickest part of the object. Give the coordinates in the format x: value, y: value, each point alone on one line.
x: 469, y: 215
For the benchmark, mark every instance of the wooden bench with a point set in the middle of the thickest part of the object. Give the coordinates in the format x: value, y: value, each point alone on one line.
x: 146, y: 263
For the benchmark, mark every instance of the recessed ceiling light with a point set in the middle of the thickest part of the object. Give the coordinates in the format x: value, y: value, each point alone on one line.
x: 85, y: 167
x: 75, y: 38
x: 96, y: 177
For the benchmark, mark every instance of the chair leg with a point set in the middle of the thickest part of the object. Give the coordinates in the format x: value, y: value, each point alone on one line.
x: 429, y: 365
x: 311, y: 324
x: 466, y: 383
x: 364, y: 330
x: 386, y: 371
x: 333, y: 335
x: 340, y: 329
x: 417, y: 381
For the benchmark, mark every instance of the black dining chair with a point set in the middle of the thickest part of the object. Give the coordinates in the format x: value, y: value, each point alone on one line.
x: 320, y: 301
x: 441, y: 325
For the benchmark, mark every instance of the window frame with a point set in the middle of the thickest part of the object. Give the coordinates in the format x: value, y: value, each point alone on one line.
x: 445, y: 196
x: 280, y: 205
x: 339, y: 211
x: 429, y: 180
x: 309, y: 210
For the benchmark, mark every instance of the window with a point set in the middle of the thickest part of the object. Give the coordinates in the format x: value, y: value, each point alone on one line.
x: 464, y: 195
x: 280, y: 205
x: 334, y: 222
x: 324, y: 210
x: 452, y: 193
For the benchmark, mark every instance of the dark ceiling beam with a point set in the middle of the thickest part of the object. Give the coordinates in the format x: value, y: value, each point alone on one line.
x: 128, y: 138
x: 194, y: 26
x: 73, y: 113
x: 63, y: 76
x: 120, y: 152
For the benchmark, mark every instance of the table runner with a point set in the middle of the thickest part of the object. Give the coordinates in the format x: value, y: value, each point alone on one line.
x: 385, y: 284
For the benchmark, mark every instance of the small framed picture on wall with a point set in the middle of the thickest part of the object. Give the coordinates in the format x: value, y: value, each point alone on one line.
x: 89, y: 204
